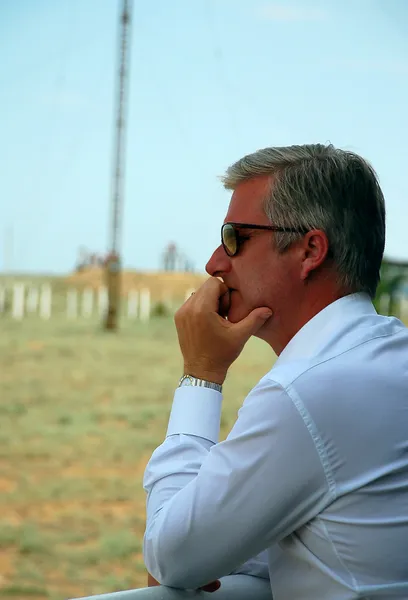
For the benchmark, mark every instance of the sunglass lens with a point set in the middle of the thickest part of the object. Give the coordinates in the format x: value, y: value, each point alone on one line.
x: 229, y: 239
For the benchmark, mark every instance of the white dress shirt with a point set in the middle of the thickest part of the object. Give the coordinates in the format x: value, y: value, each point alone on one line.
x: 312, y: 480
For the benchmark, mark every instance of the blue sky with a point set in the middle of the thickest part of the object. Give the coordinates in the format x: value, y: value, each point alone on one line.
x: 211, y: 80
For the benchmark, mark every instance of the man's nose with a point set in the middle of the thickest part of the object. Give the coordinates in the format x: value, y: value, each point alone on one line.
x: 219, y: 263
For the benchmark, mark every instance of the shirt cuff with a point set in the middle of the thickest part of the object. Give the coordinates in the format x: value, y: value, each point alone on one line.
x: 196, y: 411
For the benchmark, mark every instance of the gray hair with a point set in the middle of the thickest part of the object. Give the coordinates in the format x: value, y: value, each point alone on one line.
x: 321, y: 187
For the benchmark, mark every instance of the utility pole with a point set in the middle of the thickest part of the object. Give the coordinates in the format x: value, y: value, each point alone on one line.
x: 113, y: 262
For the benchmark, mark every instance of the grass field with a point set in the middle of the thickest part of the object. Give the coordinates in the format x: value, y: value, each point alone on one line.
x: 81, y: 412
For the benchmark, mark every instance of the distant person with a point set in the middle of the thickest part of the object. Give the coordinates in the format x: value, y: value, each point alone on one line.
x: 310, y: 488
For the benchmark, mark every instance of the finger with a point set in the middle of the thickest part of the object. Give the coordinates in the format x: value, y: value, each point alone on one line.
x: 209, y: 294
x: 254, y: 321
x: 212, y: 587
x: 151, y: 581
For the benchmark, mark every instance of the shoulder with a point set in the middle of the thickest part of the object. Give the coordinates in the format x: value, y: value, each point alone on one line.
x: 363, y: 347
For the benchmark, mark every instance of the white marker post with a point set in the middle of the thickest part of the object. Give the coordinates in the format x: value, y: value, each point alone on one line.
x: 2, y: 299
x: 133, y: 304
x: 33, y: 297
x: 17, y: 311
x: 144, y: 313
x: 102, y: 301
x: 45, y: 301
x: 72, y: 303
x: 404, y: 306
x: 87, y: 302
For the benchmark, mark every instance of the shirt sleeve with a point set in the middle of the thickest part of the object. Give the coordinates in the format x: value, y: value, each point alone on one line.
x: 212, y: 507
x: 188, y: 453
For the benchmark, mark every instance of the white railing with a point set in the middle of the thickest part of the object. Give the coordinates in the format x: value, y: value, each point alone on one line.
x: 233, y: 587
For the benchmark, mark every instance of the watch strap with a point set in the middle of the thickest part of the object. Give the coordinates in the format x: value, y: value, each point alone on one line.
x: 190, y: 380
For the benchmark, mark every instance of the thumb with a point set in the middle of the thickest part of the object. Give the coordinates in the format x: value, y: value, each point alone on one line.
x: 254, y: 321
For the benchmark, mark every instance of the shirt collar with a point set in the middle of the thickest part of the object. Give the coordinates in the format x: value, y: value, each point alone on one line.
x: 327, y: 323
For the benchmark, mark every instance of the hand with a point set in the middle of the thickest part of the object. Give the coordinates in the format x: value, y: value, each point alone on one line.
x: 210, y: 587
x: 209, y: 343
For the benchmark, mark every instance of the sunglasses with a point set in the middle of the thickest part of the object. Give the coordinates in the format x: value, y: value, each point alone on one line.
x: 232, y: 239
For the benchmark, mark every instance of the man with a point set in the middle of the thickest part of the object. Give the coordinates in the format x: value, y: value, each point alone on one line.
x: 310, y: 489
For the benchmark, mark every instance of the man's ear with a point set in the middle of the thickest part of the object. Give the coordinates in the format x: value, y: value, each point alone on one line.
x: 315, y: 247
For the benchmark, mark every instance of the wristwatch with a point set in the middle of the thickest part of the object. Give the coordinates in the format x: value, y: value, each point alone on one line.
x: 194, y: 381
